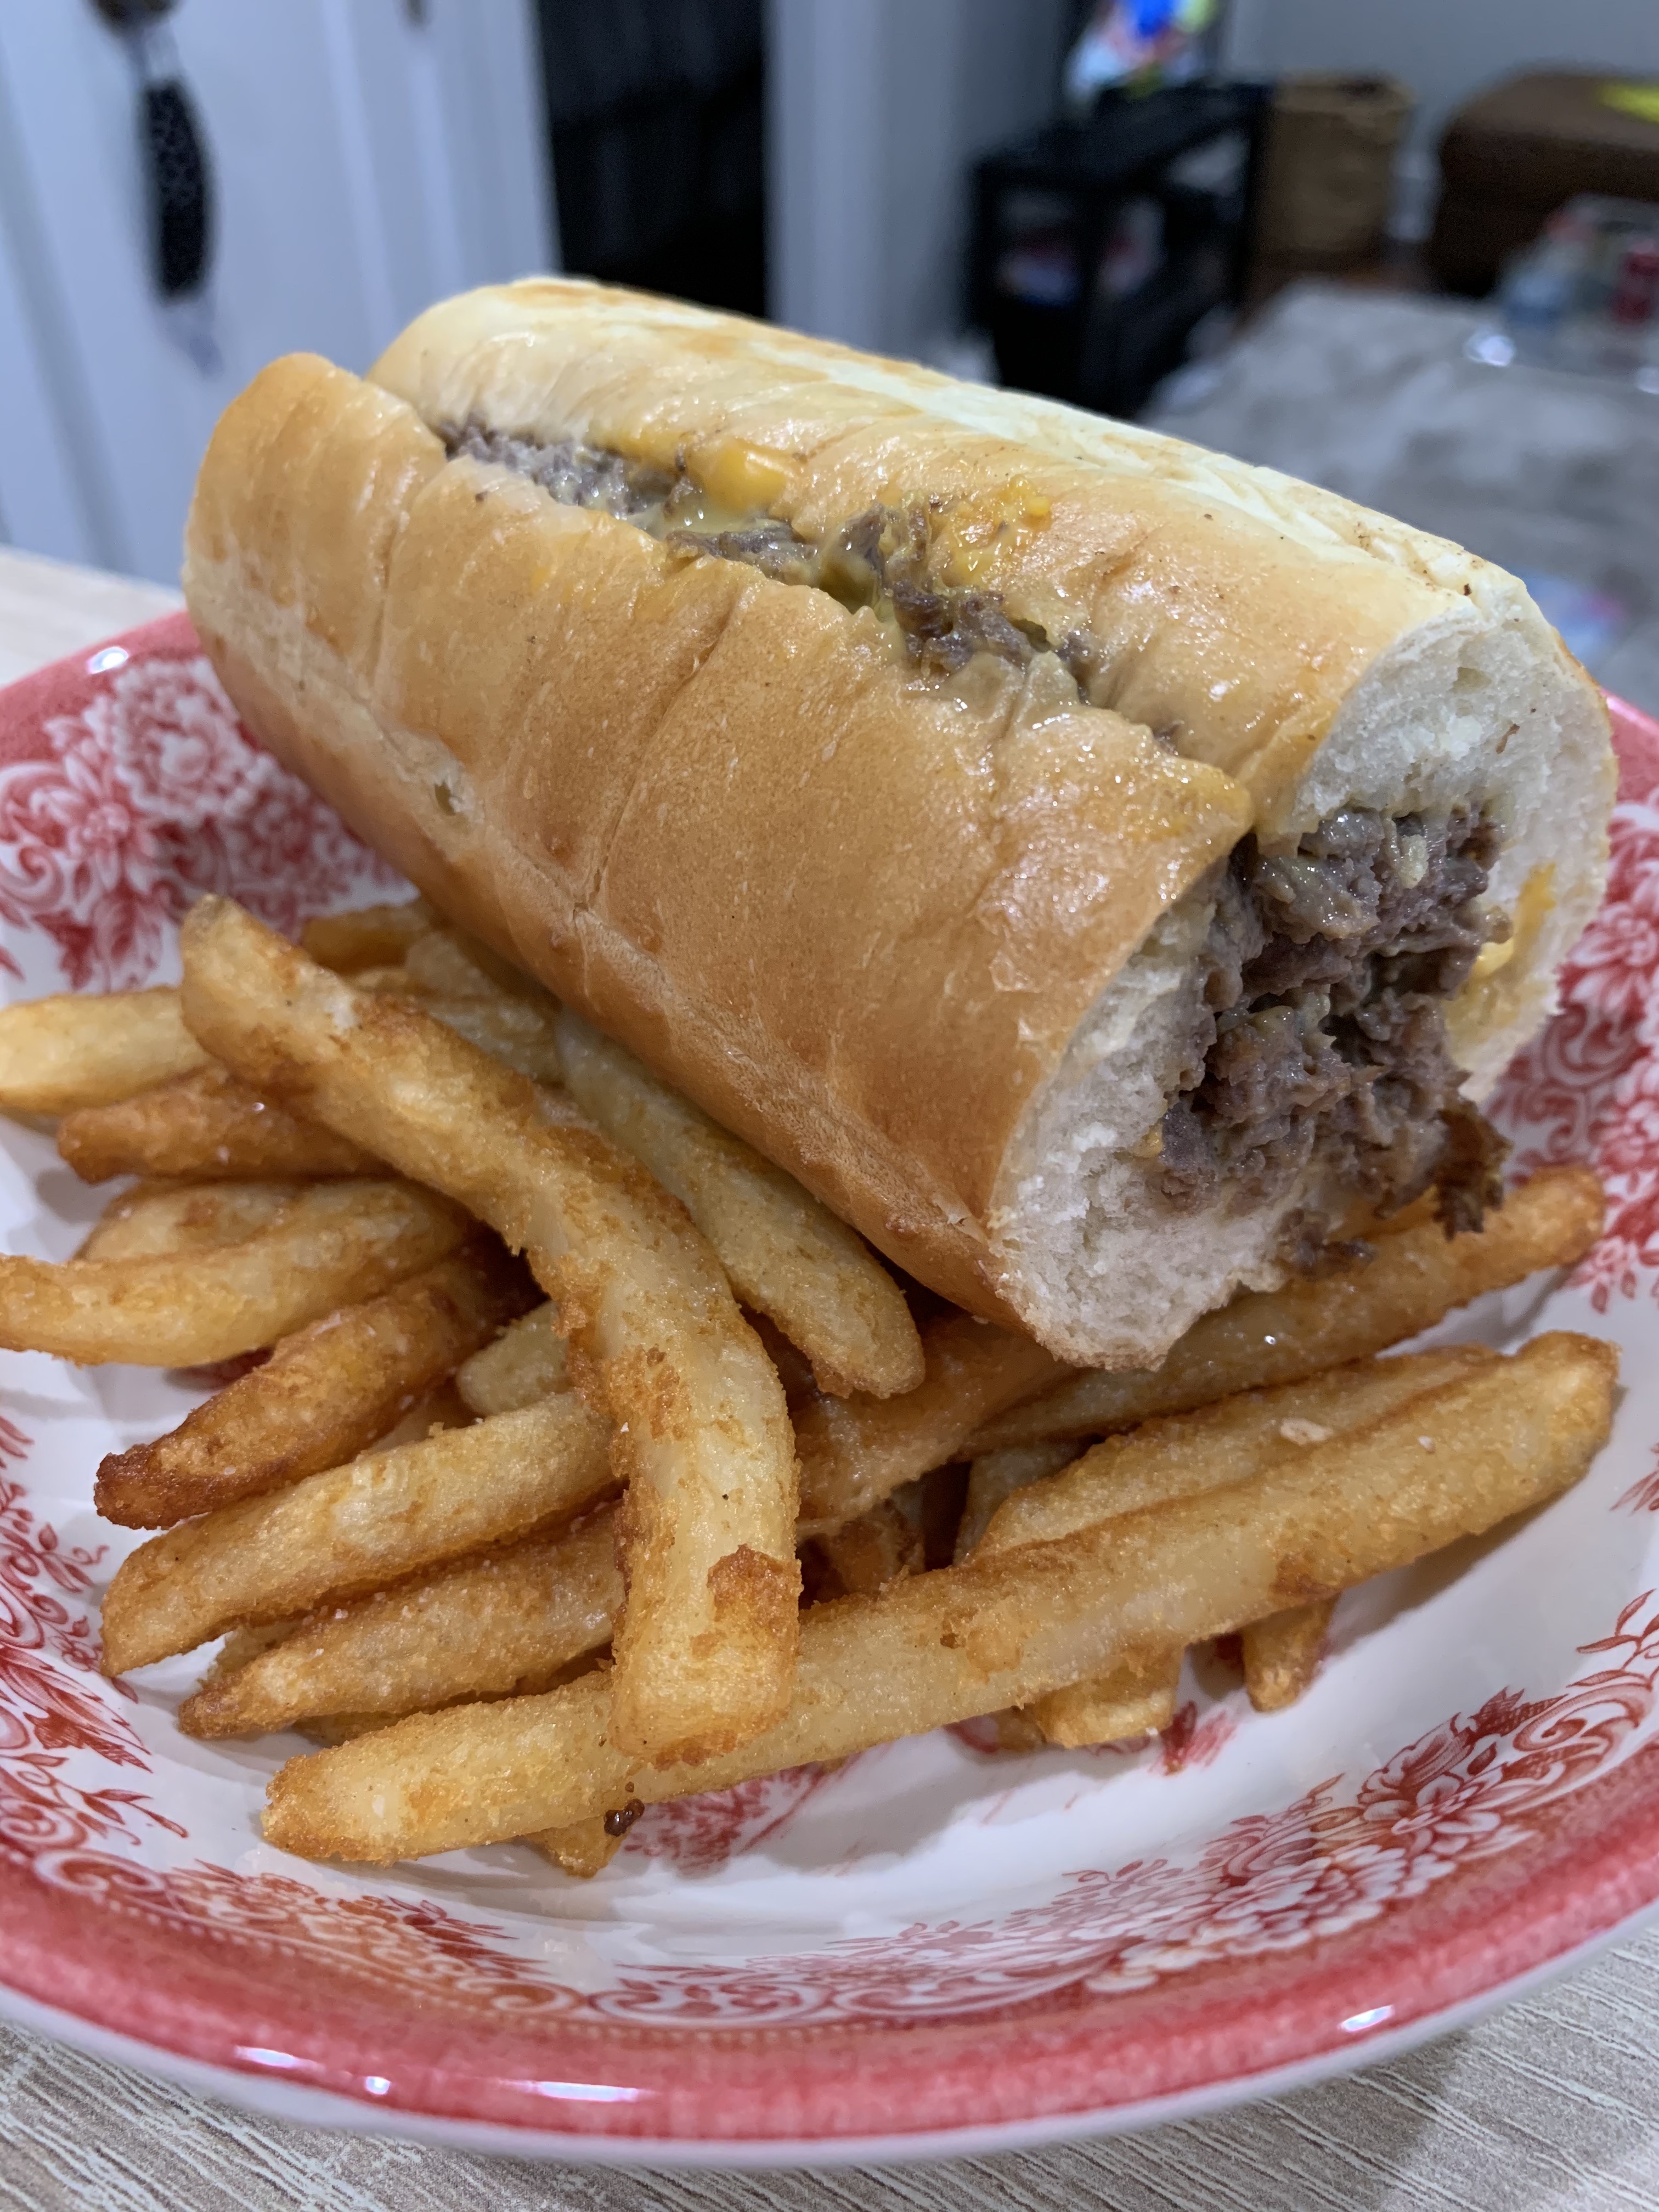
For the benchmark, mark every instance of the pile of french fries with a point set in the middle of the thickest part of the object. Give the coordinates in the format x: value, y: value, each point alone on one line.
x: 559, y: 1387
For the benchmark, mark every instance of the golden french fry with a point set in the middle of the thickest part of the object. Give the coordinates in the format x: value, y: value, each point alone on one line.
x: 243, y: 1644
x: 584, y: 1849
x: 1416, y: 1278
x: 204, y: 1125
x: 484, y: 1626
x: 367, y: 937
x: 1108, y: 1710
x: 527, y: 1362
x: 354, y: 1528
x: 155, y: 1219
x: 705, y: 1651
x: 1001, y: 1630
x: 452, y: 963
x: 876, y: 1549
x: 323, y: 1395
x: 75, y: 1050
x: 1233, y: 1440
x: 1179, y: 1456
x: 787, y: 1254
x: 1282, y: 1653
x: 512, y: 1031
x: 331, y: 1244
x: 856, y: 1451
x: 996, y: 1475
x: 1133, y: 1701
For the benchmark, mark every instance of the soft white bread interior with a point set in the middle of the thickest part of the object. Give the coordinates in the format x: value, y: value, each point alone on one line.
x: 936, y: 947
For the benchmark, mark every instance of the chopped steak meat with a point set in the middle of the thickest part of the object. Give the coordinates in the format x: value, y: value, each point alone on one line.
x: 574, y: 474
x: 879, y: 559
x: 1325, y: 1037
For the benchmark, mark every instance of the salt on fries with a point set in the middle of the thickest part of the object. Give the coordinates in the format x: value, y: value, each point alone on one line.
x: 706, y: 1647
x: 405, y: 1524
x: 1000, y: 1631
x: 60, y: 1054
x: 324, y: 1395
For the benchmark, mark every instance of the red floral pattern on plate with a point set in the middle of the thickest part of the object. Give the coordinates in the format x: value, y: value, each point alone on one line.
x: 1587, y: 1089
x: 47, y: 1708
x: 1268, y: 1882
x: 698, y: 1834
x: 122, y: 797
x: 142, y: 796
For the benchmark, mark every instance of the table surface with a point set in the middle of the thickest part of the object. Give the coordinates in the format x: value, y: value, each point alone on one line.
x: 1552, y: 2103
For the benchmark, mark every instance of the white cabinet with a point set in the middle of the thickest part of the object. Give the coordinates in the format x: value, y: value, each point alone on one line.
x: 367, y: 156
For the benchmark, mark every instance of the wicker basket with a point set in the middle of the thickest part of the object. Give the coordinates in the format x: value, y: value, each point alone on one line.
x: 1329, y: 166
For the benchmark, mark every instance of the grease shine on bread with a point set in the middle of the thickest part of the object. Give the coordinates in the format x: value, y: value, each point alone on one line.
x: 1100, y: 870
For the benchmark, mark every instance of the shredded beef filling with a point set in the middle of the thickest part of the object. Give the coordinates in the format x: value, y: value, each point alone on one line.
x: 1328, y: 972
x: 880, y: 559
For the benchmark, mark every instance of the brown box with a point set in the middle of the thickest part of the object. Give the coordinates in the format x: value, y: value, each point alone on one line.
x: 1511, y: 157
x: 1327, y: 169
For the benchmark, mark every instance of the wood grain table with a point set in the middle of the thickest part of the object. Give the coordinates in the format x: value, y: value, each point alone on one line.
x: 1551, y: 2103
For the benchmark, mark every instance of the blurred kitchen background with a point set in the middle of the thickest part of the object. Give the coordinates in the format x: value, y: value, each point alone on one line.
x: 1406, y: 248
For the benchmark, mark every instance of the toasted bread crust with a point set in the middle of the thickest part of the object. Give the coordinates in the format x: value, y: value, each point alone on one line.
x: 855, y: 916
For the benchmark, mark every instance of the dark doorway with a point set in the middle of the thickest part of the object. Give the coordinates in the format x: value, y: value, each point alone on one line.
x: 656, y: 109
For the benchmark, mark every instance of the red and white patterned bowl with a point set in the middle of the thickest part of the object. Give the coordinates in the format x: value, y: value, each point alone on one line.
x: 937, y: 1946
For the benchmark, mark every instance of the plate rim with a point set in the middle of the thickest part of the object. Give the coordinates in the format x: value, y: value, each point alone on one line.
x: 270, y: 2096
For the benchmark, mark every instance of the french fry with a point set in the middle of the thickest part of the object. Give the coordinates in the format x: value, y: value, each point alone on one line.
x: 996, y: 1475
x: 786, y: 1254
x: 1131, y: 1700
x: 368, y: 936
x: 1282, y: 1653
x: 705, y: 1651
x: 329, y: 1245
x: 1179, y: 1456
x: 512, y: 1031
x: 1234, y: 1440
x: 323, y: 1394
x: 584, y: 1849
x: 60, y: 1054
x: 1129, y: 1703
x: 155, y: 1219
x: 876, y: 1549
x: 353, y: 1529
x: 526, y: 1363
x: 341, y: 1727
x: 1001, y: 1630
x: 1416, y: 1278
x: 204, y: 1125
x: 243, y: 1644
x: 452, y: 963
x: 856, y: 1451
x: 487, y: 1625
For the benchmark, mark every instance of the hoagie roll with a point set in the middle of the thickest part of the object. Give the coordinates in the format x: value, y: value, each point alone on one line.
x: 1104, y: 872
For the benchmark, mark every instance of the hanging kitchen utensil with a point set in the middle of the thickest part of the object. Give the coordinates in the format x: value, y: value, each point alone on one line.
x: 178, y: 174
